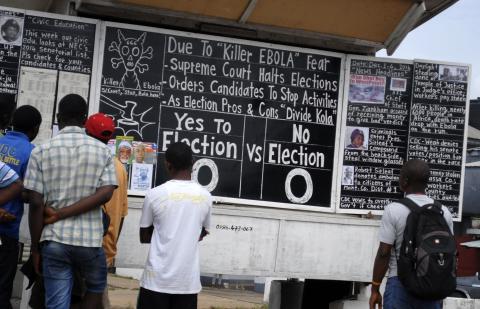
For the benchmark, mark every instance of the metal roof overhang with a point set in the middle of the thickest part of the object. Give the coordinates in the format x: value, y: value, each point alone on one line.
x: 353, y: 26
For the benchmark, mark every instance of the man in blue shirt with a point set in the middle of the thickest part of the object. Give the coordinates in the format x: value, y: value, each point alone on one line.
x: 15, y: 149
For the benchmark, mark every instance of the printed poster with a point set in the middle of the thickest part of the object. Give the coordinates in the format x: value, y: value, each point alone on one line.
x: 124, y: 149
x: 37, y: 88
x: 367, y: 89
x: 11, y: 29
x: 144, y: 152
x: 73, y: 83
x: 141, y: 177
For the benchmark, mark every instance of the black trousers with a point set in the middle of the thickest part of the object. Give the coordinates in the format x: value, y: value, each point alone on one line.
x: 148, y: 299
x: 8, y: 268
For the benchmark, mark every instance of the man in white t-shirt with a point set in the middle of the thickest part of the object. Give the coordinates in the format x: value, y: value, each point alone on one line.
x: 175, y: 217
x: 413, y: 182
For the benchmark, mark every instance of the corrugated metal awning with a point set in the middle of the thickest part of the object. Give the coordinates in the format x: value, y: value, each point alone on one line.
x: 363, y: 27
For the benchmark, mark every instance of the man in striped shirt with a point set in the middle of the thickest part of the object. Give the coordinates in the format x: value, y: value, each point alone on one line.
x: 72, y: 169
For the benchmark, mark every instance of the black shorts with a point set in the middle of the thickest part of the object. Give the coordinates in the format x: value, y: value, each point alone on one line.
x: 148, y: 299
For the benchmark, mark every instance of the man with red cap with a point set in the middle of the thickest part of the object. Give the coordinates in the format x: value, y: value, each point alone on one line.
x: 101, y: 127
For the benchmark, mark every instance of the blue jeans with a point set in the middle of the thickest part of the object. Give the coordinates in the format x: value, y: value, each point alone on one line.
x: 397, y: 297
x: 8, y: 268
x: 59, y: 262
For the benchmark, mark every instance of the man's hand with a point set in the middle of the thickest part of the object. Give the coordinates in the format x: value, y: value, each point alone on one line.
x: 50, y: 215
x: 37, y: 262
x: 6, y: 217
x: 375, y: 299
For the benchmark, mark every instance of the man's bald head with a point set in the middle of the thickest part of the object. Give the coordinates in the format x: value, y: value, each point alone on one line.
x: 414, y: 176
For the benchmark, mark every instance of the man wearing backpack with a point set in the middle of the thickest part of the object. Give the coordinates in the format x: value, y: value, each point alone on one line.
x: 441, y: 263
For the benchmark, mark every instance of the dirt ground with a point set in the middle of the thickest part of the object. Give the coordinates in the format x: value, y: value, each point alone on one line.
x: 123, y: 294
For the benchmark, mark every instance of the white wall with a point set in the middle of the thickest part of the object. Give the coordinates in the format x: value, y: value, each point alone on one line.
x: 282, y: 243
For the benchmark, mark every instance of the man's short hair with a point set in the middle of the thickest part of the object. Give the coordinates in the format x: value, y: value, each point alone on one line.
x: 417, y: 173
x: 26, y: 118
x: 73, y: 107
x: 179, y: 155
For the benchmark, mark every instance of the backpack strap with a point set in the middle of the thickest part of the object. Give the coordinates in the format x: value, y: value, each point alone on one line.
x: 411, y: 205
x: 439, y: 205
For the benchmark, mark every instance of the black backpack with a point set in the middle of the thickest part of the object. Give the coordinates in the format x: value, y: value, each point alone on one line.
x: 427, y: 259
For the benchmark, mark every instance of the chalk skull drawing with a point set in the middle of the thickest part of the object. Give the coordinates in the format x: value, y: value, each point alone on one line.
x: 129, y: 120
x: 131, y: 54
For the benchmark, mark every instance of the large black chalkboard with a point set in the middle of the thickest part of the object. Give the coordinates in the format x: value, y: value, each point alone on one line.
x: 438, y: 127
x: 260, y: 119
x: 402, y: 110
x: 44, y: 57
x: 58, y: 44
x: 378, y: 97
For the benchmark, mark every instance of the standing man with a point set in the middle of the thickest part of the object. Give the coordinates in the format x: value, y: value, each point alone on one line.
x: 72, y: 169
x: 15, y: 149
x: 10, y: 189
x: 101, y: 127
x: 413, y: 181
x: 175, y: 216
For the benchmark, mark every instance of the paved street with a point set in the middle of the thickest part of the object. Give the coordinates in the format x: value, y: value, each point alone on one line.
x: 123, y: 294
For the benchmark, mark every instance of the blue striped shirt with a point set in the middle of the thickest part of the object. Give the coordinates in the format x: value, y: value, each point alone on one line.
x: 7, y: 175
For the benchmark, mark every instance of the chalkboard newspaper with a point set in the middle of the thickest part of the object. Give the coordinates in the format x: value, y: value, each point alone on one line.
x: 261, y: 119
x: 45, y: 56
x: 438, y: 127
x: 399, y: 110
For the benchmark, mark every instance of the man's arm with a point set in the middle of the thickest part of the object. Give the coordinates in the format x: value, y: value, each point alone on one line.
x: 146, y: 221
x: 35, y: 222
x: 9, y: 193
x: 6, y: 195
x: 387, y: 237
x: 123, y: 191
x: 146, y: 234
x: 10, y: 184
x: 100, y: 197
x: 379, y: 270
x: 206, y: 221
x: 120, y: 227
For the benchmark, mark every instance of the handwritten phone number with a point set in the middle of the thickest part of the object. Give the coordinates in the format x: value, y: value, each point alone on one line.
x: 235, y: 228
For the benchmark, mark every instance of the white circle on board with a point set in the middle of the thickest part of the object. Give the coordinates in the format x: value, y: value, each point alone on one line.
x: 213, y: 168
x: 308, y: 190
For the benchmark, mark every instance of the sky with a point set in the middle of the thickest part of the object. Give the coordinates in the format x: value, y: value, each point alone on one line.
x: 453, y: 36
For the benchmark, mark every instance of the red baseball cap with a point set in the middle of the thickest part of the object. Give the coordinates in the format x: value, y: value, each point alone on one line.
x: 100, y: 126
